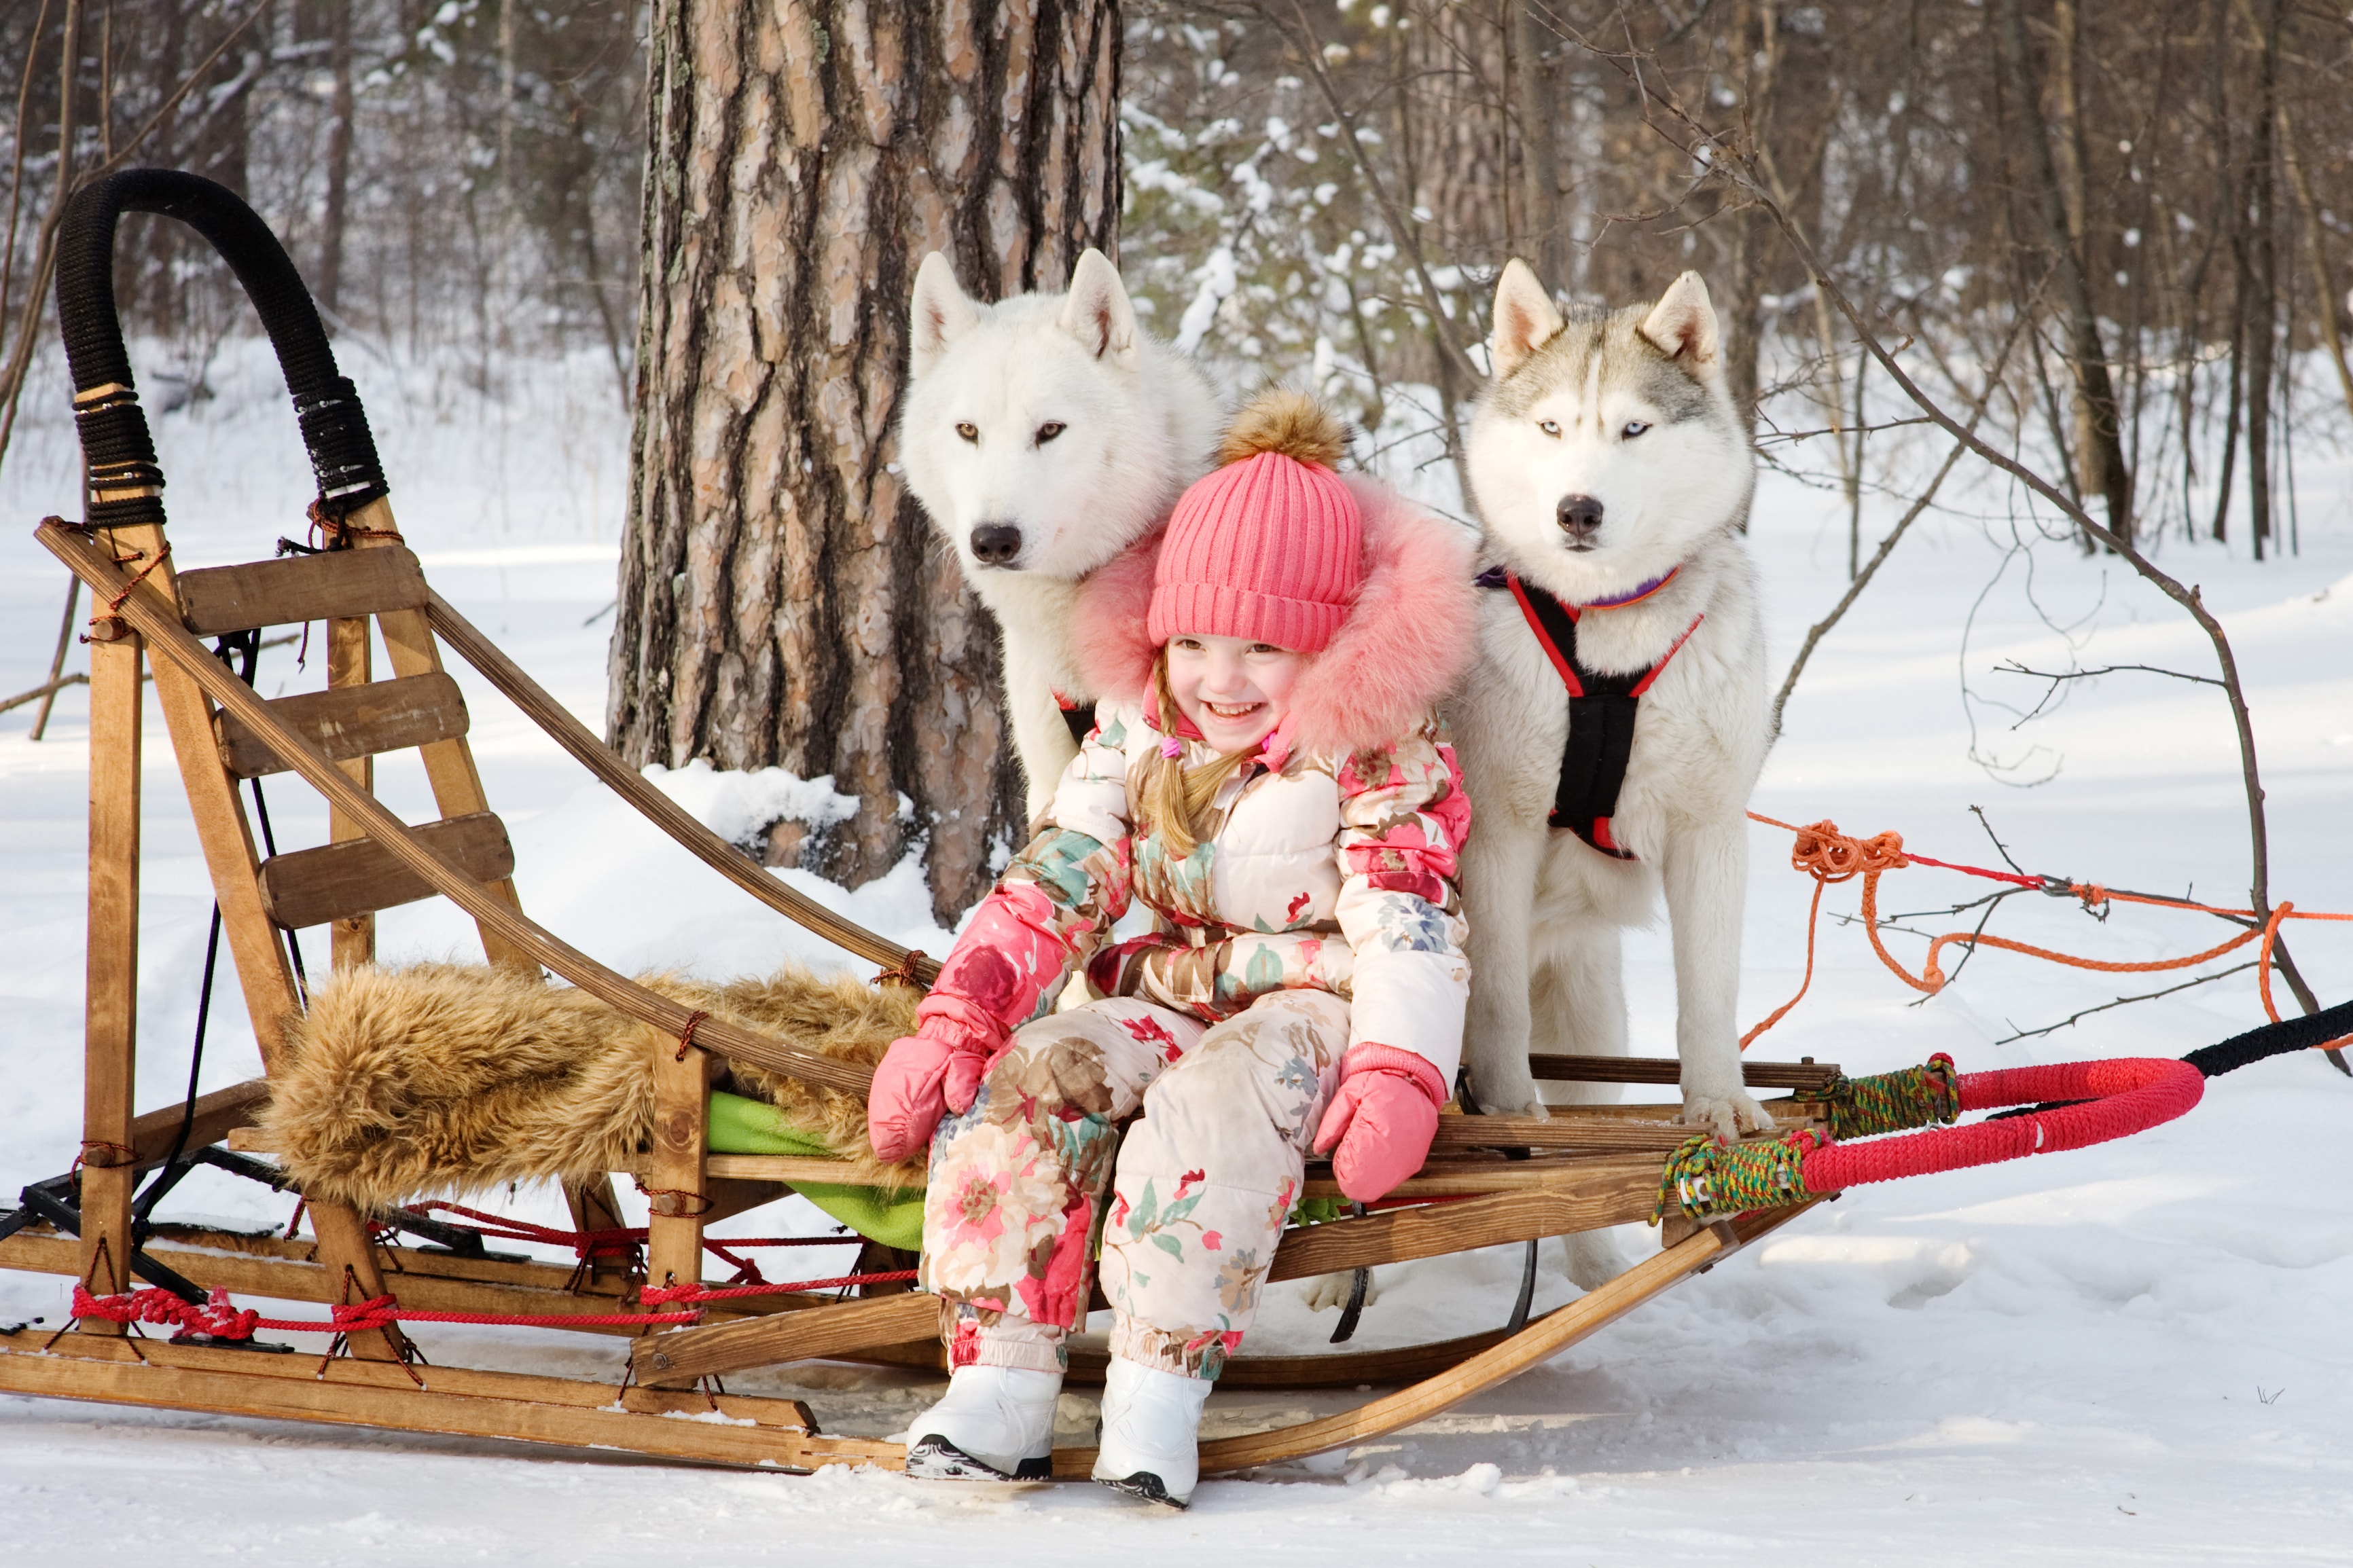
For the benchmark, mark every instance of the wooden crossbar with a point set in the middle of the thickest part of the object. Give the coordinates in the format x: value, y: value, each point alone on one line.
x: 347, y: 722
x: 359, y: 876
x: 333, y: 585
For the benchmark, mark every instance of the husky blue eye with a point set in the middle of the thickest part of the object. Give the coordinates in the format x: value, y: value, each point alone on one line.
x: 1633, y: 427
x: 1048, y: 430
x: 1548, y: 426
x: 968, y: 430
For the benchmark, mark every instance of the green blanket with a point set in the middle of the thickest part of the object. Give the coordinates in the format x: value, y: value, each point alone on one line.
x: 891, y: 1216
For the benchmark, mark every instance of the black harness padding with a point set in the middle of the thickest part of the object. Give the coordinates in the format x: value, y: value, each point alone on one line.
x: 1602, y: 710
x: 1079, y: 716
x: 2273, y: 1039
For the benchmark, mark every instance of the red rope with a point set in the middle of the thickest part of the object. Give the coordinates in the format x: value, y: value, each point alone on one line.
x: 655, y: 1294
x: 611, y: 1243
x: 2121, y: 1098
x: 222, y: 1320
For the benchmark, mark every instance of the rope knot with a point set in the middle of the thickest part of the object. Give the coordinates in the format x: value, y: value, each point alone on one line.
x: 903, y: 971
x: 1822, y: 851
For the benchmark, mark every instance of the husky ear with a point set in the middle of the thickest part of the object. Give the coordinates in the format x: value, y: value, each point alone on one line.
x: 1098, y: 312
x: 1525, y: 317
x: 940, y: 313
x: 1683, y: 323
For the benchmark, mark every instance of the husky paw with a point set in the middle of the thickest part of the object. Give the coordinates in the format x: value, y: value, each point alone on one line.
x: 1727, y: 1115
x: 1332, y: 1290
x: 1593, y: 1257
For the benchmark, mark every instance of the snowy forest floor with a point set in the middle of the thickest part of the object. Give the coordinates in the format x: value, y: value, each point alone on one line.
x: 2134, y: 1354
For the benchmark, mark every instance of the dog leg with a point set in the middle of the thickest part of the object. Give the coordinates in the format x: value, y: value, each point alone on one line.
x: 1041, y: 739
x: 1499, y: 890
x: 1579, y: 1001
x: 1706, y: 871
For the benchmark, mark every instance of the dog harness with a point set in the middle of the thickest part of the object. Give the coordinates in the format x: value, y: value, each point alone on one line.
x: 1601, y: 708
x: 1079, y: 716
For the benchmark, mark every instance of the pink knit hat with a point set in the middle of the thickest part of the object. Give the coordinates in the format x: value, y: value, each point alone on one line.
x: 1271, y: 545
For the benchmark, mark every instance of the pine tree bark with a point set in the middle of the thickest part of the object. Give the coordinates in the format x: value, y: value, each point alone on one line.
x: 783, y: 601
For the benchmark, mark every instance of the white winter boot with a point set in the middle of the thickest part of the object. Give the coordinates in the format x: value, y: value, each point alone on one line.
x: 1151, y: 1431
x: 996, y: 1424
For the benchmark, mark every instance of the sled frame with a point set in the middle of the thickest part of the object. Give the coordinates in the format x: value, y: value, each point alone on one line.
x: 1502, y: 1180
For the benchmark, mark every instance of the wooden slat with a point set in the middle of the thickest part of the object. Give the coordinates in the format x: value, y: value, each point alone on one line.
x: 1597, y: 1135
x: 454, y: 1401
x: 1810, y: 1075
x: 353, y: 721
x: 216, y: 1116
x: 677, y: 1192
x: 351, y: 943
x: 689, y: 1354
x: 449, y: 768
x: 110, y: 1023
x: 1610, y: 1191
x: 334, y: 881
x: 429, y: 1280
x: 337, y: 584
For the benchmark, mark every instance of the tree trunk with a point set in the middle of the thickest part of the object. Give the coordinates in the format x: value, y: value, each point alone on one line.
x: 1533, y: 42
x: 783, y: 601
x: 2262, y: 279
x: 2099, y: 450
x: 339, y: 162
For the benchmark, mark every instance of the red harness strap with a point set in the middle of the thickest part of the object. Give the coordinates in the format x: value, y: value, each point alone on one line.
x: 1602, y: 710
x: 1079, y: 716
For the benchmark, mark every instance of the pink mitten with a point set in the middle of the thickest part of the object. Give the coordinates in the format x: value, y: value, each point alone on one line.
x: 925, y: 1075
x: 907, y: 1100
x: 1382, y: 1120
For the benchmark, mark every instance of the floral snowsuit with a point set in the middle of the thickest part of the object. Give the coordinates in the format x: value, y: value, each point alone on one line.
x: 1319, y: 911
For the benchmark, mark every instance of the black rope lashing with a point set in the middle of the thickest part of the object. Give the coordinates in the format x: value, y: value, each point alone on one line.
x: 126, y: 482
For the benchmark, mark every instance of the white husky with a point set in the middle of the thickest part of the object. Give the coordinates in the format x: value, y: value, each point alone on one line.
x: 1045, y: 435
x: 1608, y: 460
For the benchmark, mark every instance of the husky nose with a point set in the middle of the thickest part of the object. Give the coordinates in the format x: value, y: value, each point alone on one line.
x: 995, y: 543
x: 1579, y: 516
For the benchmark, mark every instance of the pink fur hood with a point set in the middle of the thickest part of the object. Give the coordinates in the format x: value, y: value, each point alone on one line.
x: 1406, y: 639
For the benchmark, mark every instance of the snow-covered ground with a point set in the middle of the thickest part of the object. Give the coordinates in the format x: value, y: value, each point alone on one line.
x: 2128, y: 1354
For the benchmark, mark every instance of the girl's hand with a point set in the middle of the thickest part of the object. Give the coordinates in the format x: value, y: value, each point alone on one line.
x: 1379, y: 1126
x: 908, y: 1097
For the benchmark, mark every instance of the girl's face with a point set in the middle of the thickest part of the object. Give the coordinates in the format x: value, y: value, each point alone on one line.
x: 1235, y: 691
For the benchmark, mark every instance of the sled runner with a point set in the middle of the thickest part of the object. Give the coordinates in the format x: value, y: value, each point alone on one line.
x: 1489, y: 1180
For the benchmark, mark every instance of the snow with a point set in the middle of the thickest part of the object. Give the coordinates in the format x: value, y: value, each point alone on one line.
x: 2132, y: 1353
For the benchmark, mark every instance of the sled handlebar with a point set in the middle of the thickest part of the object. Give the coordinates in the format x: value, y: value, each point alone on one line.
x: 126, y: 483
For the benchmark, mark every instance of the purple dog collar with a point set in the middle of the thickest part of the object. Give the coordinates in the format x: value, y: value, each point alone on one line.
x: 1497, y: 577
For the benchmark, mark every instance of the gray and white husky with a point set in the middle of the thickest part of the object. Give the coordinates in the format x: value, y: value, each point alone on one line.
x: 1608, y: 460
x: 1044, y: 434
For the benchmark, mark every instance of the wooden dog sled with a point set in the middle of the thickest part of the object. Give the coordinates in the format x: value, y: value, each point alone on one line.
x: 1490, y: 1180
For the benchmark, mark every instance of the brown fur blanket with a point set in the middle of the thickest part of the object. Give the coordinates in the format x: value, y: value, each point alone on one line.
x: 446, y: 1078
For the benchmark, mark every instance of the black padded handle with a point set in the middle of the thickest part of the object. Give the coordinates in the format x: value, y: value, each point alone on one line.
x: 126, y: 483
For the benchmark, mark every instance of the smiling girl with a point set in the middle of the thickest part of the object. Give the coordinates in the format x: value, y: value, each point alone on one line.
x: 1266, y: 776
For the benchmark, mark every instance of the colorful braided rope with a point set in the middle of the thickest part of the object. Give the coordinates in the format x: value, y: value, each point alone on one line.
x: 1704, y: 1178
x: 1895, y: 1101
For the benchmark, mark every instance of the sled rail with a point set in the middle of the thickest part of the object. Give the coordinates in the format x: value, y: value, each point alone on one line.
x: 560, y: 726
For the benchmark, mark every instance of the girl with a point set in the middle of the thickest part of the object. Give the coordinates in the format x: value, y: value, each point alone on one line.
x: 1266, y: 776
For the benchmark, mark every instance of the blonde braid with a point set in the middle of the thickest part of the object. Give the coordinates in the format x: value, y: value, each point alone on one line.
x: 1176, y: 798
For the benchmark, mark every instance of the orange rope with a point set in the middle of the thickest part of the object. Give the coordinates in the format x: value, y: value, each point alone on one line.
x: 1827, y: 856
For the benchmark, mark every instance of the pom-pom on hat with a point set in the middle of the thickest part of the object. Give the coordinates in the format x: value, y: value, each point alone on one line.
x: 1270, y: 546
